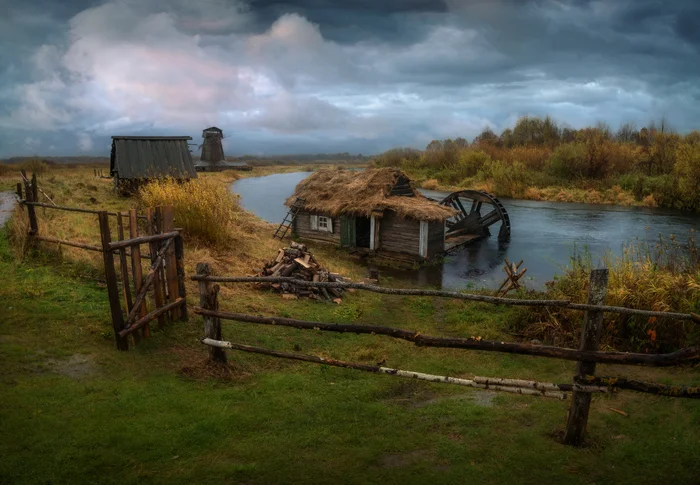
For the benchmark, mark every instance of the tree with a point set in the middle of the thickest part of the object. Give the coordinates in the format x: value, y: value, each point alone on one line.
x: 487, y: 137
x: 627, y: 133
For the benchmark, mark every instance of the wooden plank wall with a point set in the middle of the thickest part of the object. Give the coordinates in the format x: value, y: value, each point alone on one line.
x: 399, y: 235
x: 436, y: 239
x: 302, y: 228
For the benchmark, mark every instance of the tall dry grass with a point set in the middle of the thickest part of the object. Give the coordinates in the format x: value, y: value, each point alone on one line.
x: 207, y: 210
x: 663, y: 275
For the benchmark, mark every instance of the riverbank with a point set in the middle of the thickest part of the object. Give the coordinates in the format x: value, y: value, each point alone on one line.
x: 76, y: 410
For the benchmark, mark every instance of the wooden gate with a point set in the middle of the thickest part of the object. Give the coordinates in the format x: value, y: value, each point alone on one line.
x: 165, y: 277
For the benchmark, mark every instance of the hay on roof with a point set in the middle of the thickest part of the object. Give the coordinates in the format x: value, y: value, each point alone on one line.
x: 338, y: 191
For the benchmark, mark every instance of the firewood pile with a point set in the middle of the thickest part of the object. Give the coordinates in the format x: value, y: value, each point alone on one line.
x: 296, y: 261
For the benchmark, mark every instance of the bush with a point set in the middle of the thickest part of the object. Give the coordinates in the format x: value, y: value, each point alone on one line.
x: 203, y: 207
x: 568, y: 161
x: 687, y: 172
x: 663, y: 276
x: 506, y: 180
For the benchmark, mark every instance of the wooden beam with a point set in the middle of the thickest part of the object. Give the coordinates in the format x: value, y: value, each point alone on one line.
x: 450, y: 294
x: 171, y: 262
x: 137, y: 270
x: 682, y: 356
x: 153, y: 247
x: 89, y: 247
x: 152, y: 315
x: 142, y: 240
x: 111, y: 278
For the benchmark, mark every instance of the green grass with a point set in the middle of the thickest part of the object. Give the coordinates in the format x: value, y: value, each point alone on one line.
x: 135, y: 417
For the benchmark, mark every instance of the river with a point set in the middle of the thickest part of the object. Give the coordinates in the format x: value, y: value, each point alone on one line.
x: 543, y: 234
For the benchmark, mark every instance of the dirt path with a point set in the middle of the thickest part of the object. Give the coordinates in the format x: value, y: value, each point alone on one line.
x: 7, y: 203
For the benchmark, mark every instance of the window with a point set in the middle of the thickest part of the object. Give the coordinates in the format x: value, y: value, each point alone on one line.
x: 321, y: 223
x: 324, y: 224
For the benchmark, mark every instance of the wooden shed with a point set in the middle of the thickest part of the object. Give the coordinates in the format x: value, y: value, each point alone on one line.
x: 136, y: 159
x: 374, y: 209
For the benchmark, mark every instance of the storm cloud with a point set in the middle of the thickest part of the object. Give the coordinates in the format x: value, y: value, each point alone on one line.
x: 313, y: 76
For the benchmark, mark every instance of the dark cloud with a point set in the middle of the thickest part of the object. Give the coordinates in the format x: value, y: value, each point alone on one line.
x: 320, y: 75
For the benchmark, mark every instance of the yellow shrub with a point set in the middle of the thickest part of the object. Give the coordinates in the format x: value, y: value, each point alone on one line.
x: 203, y: 207
x: 430, y: 184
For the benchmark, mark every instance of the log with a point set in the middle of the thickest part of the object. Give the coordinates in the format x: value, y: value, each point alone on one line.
x: 590, y: 338
x: 89, y: 247
x: 70, y: 209
x: 208, y: 299
x: 456, y: 295
x: 682, y: 356
x: 303, y: 263
x: 152, y: 315
x: 143, y: 240
x: 692, y: 392
x: 383, y: 370
x: 151, y: 278
x: 111, y: 278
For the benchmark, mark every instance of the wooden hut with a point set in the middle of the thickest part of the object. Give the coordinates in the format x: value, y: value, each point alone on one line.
x: 374, y: 209
x: 136, y: 159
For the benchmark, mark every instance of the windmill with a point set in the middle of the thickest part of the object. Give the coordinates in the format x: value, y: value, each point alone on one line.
x: 212, y: 157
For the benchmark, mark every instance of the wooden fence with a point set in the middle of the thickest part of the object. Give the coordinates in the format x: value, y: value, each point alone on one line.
x: 587, y: 356
x: 164, y: 282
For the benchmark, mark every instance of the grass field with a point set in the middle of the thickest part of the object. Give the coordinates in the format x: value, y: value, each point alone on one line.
x: 74, y: 410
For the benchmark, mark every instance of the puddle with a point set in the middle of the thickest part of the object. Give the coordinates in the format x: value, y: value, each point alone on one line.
x: 7, y: 204
x: 76, y: 366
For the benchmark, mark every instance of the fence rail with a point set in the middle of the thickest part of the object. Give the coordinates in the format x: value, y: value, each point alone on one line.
x: 497, y: 300
x: 585, y: 380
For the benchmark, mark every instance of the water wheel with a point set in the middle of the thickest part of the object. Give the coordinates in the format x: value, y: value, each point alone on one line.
x: 477, y: 212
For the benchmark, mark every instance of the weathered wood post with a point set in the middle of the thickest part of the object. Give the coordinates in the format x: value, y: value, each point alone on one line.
x: 171, y: 280
x: 124, y: 268
x: 136, y: 269
x: 180, y: 261
x: 157, y: 285
x: 111, y: 277
x: 19, y: 190
x: 590, y: 339
x: 30, y: 197
x: 208, y: 293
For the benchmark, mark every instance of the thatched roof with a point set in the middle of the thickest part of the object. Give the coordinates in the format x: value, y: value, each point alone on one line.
x: 338, y: 191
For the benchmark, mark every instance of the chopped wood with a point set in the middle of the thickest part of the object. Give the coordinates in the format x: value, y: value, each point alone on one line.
x: 297, y: 262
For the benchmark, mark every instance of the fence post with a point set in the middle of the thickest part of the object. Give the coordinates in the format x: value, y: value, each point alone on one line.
x: 136, y: 269
x: 180, y: 262
x: 590, y: 338
x: 111, y: 277
x: 30, y: 197
x: 208, y: 293
x: 19, y: 190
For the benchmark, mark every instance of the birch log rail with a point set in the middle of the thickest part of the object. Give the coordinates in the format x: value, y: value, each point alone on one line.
x: 516, y: 386
x: 451, y: 294
x: 689, y: 354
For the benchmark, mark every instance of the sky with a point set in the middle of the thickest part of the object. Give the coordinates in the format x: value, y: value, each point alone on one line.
x: 360, y: 76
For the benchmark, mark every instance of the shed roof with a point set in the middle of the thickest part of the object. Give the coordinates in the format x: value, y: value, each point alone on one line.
x: 339, y: 191
x: 151, y: 157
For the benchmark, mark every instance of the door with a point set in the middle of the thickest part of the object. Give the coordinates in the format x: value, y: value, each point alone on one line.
x: 347, y: 231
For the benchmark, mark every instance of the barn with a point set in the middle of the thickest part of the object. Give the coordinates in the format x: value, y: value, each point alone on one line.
x: 375, y: 209
x: 136, y: 159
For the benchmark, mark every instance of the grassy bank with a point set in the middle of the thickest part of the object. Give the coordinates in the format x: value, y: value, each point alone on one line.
x: 74, y: 410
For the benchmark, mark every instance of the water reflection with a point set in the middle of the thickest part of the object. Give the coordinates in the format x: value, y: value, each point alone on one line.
x: 543, y: 234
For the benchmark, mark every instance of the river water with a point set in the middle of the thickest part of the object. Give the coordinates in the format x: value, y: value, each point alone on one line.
x: 544, y: 234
